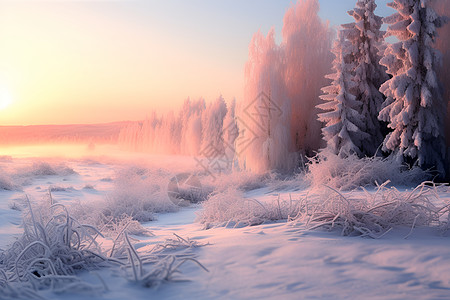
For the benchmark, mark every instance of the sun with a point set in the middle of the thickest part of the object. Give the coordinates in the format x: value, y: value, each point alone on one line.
x: 5, y: 98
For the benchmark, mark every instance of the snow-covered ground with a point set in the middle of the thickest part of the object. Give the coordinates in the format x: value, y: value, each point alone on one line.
x: 274, y: 260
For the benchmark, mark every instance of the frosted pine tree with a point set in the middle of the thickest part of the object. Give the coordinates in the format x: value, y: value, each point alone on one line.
x: 367, y: 40
x: 414, y: 106
x: 342, y: 130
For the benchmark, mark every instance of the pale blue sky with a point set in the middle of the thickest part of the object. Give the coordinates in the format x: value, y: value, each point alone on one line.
x: 335, y: 10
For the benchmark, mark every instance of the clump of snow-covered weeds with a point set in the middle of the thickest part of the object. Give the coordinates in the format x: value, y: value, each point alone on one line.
x: 368, y: 213
x: 55, y: 247
x: 231, y: 208
x: 52, y: 249
x: 138, y: 193
x: 43, y: 168
x: 7, y: 184
x: 352, y: 172
x: 240, y: 180
x: 165, y: 268
x: 177, y: 243
x: 14, y: 178
x: 186, y: 188
x: 376, y: 213
x: 58, y: 188
x: 18, y: 203
x: 110, y: 226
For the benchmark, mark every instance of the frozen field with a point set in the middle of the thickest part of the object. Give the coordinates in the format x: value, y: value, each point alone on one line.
x: 273, y: 260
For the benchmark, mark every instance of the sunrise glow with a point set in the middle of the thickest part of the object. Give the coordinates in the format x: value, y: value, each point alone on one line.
x: 103, y: 61
x: 5, y: 98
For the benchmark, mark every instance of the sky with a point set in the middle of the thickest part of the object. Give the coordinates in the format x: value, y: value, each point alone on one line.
x: 75, y: 62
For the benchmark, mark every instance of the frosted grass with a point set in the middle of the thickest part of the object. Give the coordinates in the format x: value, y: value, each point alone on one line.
x: 368, y: 213
x: 232, y: 209
x: 55, y: 247
x: 352, y: 172
x: 373, y: 214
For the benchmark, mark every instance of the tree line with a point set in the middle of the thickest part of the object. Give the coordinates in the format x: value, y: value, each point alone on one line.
x: 381, y: 98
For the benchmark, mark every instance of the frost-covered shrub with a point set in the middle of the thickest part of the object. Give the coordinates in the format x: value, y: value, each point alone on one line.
x: 138, y: 193
x: 6, y: 183
x: 89, y: 187
x: 57, y: 188
x: 42, y: 168
x: 371, y: 214
x: 351, y: 172
x: 186, y: 188
x: 240, y: 180
x: 231, y: 208
x: 110, y: 226
x: 375, y: 213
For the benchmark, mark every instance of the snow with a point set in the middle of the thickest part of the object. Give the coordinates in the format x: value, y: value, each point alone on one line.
x: 273, y: 260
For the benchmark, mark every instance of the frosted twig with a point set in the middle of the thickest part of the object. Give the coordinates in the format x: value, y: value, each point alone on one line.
x: 412, y: 228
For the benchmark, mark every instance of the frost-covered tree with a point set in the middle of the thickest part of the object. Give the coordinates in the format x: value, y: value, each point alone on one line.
x: 193, y: 134
x: 230, y: 130
x: 343, y: 121
x: 307, y: 43
x: 283, y: 83
x: 367, y: 41
x: 166, y: 138
x: 264, y: 139
x: 414, y: 106
x: 191, y: 126
x: 212, y: 135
